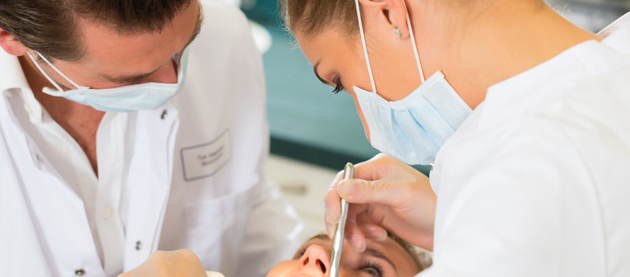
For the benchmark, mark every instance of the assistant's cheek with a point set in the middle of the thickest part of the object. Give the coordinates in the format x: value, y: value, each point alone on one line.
x: 284, y: 269
x: 360, y: 112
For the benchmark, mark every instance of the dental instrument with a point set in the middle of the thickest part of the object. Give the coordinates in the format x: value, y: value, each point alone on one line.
x: 337, y: 247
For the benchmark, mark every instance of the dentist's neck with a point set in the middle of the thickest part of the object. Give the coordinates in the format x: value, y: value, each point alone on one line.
x: 493, y: 43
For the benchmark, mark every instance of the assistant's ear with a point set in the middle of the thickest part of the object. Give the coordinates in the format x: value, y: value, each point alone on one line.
x: 11, y: 45
x: 390, y: 13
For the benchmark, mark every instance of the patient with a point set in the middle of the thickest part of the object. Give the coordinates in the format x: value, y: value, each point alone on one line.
x: 392, y: 257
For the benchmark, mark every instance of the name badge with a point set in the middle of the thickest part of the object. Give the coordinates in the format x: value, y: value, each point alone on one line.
x: 204, y: 160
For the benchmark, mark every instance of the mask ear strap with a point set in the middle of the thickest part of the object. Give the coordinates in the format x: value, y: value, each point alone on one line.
x: 413, y: 42
x: 55, y: 68
x: 367, y: 59
x: 43, y: 72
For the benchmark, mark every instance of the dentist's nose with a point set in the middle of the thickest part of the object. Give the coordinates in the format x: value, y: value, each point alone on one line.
x: 316, y: 260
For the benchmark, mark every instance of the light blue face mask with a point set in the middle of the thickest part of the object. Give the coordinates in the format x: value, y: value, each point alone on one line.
x: 414, y: 128
x: 145, y: 96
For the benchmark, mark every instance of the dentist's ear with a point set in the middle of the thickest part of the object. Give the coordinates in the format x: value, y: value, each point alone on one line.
x: 11, y: 45
x: 389, y: 14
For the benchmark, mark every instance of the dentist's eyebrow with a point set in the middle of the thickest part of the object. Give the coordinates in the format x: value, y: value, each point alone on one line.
x: 138, y: 77
x: 376, y: 254
x: 320, y: 78
x: 128, y: 79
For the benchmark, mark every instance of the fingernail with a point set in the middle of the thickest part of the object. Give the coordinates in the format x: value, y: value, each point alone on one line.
x: 383, y: 236
x: 332, y: 218
x: 329, y: 230
x: 361, y: 246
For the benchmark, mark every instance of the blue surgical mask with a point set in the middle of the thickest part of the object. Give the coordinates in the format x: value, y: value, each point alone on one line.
x: 414, y: 128
x: 145, y: 96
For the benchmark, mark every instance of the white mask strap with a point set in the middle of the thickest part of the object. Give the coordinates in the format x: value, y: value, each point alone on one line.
x: 413, y: 42
x: 53, y: 67
x: 367, y: 59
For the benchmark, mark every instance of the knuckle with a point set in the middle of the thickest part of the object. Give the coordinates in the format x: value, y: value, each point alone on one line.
x: 158, y: 255
x: 185, y: 254
x: 366, y: 189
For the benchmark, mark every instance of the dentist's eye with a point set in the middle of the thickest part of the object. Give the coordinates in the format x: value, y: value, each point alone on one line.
x: 338, y: 85
x: 374, y: 269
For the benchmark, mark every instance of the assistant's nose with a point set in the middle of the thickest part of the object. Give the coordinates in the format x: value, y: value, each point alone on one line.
x: 316, y: 261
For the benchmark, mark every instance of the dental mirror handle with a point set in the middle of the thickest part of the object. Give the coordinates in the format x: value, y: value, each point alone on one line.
x: 348, y: 173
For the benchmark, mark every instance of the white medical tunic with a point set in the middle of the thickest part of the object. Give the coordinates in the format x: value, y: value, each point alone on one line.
x: 536, y: 182
x: 186, y: 175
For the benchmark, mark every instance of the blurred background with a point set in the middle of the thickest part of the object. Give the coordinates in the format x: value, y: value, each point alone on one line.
x: 314, y: 132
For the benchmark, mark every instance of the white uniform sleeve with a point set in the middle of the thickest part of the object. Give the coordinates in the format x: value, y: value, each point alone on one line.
x: 272, y: 234
x: 514, y: 217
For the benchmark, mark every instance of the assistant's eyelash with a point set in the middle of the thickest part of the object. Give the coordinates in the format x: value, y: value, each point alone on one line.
x: 338, y: 85
x: 376, y: 266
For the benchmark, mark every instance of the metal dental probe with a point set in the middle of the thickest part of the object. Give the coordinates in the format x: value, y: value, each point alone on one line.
x: 337, y: 246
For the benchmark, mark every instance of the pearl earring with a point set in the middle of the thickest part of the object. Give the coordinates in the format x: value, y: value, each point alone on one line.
x: 397, y: 32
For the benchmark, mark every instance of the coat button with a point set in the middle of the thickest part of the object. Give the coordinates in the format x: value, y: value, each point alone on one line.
x: 79, y: 272
x: 164, y: 113
x: 105, y: 213
x: 138, y: 245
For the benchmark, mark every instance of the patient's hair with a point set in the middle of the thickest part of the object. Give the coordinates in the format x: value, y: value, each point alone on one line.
x: 49, y: 26
x: 421, y: 258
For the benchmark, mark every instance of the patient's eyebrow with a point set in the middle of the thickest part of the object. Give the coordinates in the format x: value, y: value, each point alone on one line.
x: 376, y: 254
x: 369, y: 251
x: 320, y: 236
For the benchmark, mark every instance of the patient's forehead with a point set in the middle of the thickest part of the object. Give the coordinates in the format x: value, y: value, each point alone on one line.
x: 389, y: 245
x: 388, y: 242
x: 389, y: 248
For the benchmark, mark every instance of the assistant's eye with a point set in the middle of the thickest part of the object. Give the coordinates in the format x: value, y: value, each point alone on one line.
x: 374, y: 269
x: 338, y: 85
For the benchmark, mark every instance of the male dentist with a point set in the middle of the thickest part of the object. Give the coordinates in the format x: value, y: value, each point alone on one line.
x: 127, y: 128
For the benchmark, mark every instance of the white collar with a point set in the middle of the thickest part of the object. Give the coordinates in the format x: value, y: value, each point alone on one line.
x: 12, y: 77
x: 518, y: 94
x: 617, y: 34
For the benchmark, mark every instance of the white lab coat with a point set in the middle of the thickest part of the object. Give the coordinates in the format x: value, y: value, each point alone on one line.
x: 193, y: 175
x: 536, y: 181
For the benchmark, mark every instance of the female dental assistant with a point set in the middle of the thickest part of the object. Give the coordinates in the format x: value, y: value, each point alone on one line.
x: 523, y: 115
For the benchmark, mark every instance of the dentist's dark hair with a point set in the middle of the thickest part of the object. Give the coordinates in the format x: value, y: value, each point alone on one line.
x: 49, y: 26
x: 311, y: 17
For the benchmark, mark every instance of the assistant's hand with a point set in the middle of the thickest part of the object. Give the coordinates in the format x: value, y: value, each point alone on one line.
x: 169, y: 264
x: 385, y: 194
